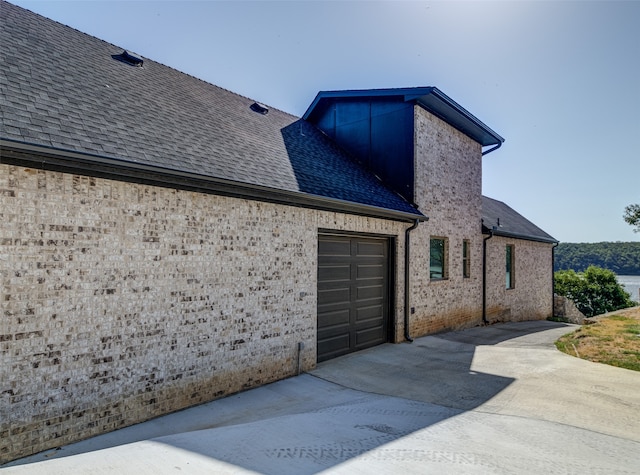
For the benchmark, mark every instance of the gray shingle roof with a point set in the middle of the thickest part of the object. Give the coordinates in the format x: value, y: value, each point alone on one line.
x: 63, y: 89
x: 505, y: 221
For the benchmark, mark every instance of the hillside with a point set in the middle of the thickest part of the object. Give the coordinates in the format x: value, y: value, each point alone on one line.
x: 623, y: 258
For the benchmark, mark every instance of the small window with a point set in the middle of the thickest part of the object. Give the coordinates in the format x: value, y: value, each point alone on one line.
x: 438, y: 265
x: 510, y: 258
x: 466, y: 259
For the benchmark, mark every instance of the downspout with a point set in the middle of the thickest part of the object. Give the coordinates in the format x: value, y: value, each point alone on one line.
x: 484, y: 254
x: 484, y: 277
x: 553, y: 280
x: 407, y: 303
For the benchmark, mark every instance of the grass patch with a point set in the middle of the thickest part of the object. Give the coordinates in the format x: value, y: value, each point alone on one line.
x: 634, y: 329
x: 613, y: 340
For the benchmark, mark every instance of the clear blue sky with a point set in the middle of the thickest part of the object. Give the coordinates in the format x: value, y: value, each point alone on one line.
x: 559, y: 80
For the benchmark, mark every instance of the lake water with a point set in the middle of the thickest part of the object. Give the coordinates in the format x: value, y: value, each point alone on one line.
x: 631, y: 284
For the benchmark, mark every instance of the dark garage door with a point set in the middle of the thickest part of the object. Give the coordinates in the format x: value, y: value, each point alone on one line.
x: 353, y: 294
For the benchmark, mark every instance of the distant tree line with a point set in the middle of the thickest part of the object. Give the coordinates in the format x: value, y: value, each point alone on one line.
x: 623, y: 258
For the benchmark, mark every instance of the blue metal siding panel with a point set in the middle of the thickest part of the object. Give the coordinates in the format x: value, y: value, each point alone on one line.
x: 353, y: 130
x: 378, y: 132
x: 326, y: 120
x: 392, y: 145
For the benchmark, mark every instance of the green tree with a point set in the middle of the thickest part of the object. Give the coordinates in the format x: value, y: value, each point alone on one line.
x: 632, y: 216
x: 594, y: 291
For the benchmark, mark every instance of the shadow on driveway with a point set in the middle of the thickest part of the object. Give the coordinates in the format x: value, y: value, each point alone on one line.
x: 396, y: 390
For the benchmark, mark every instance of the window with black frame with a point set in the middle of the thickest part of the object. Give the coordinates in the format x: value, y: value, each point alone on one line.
x: 466, y: 259
x: 510, y: 274
x: 438, y: 258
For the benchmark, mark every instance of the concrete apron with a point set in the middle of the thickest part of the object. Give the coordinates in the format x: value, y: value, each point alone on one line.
x: 497, y: 399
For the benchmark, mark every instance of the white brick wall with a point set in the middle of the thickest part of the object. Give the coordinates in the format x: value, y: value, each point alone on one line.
x: 121, y: 302
x: 532, y: 296
x: 448, y: 190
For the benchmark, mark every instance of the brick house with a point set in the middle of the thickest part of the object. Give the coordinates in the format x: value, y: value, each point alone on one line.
x: 166, y: 242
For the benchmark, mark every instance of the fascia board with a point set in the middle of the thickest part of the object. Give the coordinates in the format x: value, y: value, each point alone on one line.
x: 39, y: 156
x: 524, y: 237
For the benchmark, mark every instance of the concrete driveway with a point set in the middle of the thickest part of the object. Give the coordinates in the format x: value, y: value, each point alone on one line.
x: 497, y: 399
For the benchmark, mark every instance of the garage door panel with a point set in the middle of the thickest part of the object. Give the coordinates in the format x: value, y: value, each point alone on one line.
x: 334, y: 247
x: 333, y: 346
x: 370, y: 271
x: 333, y: 319
x: 370, y: 292
x: 340, y: 295
x: 373, y: 312
x: 353, y: 294
x: 334, y: 273
x: 370, y: 337
x: 370, y: 248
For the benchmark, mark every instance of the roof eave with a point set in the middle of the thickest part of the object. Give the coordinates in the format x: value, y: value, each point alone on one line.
x: 43, y: 157
x: 525, y: 237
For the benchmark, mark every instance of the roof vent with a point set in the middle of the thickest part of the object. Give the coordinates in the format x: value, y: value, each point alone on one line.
x: 129, y: 59
x: 259, y: 108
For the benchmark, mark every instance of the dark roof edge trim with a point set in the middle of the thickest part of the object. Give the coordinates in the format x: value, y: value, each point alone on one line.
x: 524, y: 237
x: 406, y: 93
x: 419, y: 95
x: 43, y: 157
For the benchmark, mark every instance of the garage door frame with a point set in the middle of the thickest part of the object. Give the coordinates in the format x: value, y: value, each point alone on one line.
x: 390, y: 330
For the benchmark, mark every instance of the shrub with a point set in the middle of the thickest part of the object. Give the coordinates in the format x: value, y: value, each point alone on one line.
x: 594, y: 291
